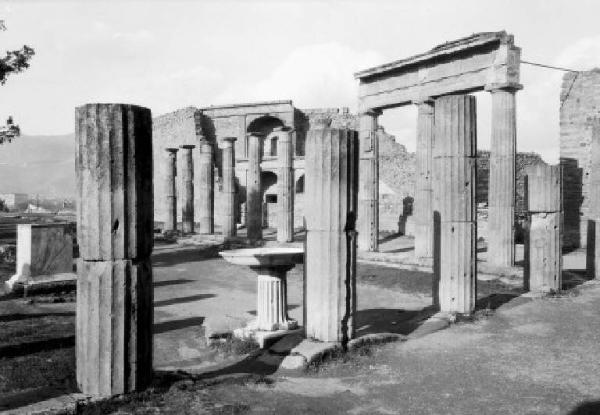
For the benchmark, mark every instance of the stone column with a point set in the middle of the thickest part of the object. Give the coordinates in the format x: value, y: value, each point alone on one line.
x: 543, y: 259
x: 330, y: 205
x: 254, y: 203
x: 187, y: 177
x: 593, y: 229
x: 423, y: 184
x: 171, y: 190
x: 368, y: 194
x: 454, y: 161
x: 285, y: 186
x: 228, y: 168
x: 206, y: 187
x: 271, y: 299
x: 114, y: 229
x: 501, y: 194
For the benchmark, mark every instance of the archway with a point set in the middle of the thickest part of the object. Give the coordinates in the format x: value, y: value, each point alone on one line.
x: 264, y: 126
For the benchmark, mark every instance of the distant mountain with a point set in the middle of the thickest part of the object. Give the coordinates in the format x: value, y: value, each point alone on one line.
x: 42, y: 165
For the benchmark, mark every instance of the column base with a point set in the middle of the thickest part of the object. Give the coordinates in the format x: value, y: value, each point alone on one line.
x: 251, y: 331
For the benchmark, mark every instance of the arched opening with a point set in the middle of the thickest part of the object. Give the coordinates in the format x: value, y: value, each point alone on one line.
x: 264, y: 126
x: 268, y: 181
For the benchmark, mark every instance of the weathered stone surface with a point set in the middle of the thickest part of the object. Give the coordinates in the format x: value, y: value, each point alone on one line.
x: 285, y: 183
x: 593, y: 229
x: 228, y: 169
x: 114, y: 181
x: 454, y: 162
x: 501, y: 210
x: 114, y: 326
x: 368, y: 193
x: 171, y: 190
x: 114, y: 284
x: 543, y: 247
x: 206, y: 188
x: 254, y: 199
x: 187, y: 201
x: 423, y: 182
x: 43, y: 250
x: 485, y: 58
x: 331, y: 203
x: 579, y: 102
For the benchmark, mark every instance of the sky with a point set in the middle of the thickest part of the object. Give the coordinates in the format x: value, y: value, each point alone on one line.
x: 168, y: 55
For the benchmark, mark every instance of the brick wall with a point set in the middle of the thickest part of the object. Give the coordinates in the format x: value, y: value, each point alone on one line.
x: 579, y: 103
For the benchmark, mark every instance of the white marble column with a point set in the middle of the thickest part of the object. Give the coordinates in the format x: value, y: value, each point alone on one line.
x: 501, y: 194
x: 206, y: 188
x: 187, y: 177
x: 454, y: 158
x: 368, y: 193
x: 285, y: 186
x: 254, y: 200
x: 228, y: 168
x: 271, y: 303
x: 171, y: 190
x: 423, y: 181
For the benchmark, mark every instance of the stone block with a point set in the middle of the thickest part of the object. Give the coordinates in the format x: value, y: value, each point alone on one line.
x: 43, y: 250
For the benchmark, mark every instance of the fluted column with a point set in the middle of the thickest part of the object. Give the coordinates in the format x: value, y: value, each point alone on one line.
x: 115, y: 218
x: 254, y: 203
x: 423, y: 184
x: 171, y: 190
x: 271, y: 302
x: 543, y: 253
x: 228, y: 168
x: 368, y: 192
x: 330, y: 211
x: 187, y: 177
x: 454, y: 160
x: 285, y: 198
x: 501, y: 194
x: 206, y: 187
x: 593, y: 228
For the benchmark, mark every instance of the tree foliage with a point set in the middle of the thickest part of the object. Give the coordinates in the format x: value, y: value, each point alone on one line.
x: 15, y: 60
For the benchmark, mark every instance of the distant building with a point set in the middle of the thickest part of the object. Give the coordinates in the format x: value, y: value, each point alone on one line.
x: 15, y: 201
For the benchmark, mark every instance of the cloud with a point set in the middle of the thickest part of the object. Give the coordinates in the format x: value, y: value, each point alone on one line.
x: 312, y: 76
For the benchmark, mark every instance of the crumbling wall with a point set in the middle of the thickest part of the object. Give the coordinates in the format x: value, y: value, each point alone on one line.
x: 579, y: 103
x: 173, y: 130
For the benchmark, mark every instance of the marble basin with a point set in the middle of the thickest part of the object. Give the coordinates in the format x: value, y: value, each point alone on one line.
x: 264, y: 257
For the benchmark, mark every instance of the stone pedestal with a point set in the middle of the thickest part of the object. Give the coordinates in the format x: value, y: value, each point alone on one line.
x: 368, y: 193
x: 543, y: 248
x: 228, y: 168
x: 187, y: 177
x: 115, y: 227
x: 423, y: 182
x: 593, y: 228
x: 501, y: 195
x: 271, y: 301
x: 43, y: 250
x: 254, y: 202
x: 206, y: 188
x: 171, y: 190
x: 285, y: 187
x: 330, y: 205
x: 454, y: 159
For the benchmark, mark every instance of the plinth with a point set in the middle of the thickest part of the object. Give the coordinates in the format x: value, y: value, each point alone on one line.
x: 271, y: 266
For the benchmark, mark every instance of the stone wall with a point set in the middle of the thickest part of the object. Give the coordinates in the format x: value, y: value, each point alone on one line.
x: 579, y: 103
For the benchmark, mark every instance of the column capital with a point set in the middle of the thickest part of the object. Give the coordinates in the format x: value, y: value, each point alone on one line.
x: 228, y: 141
x: 424, y: 101
x: 256, y: 134
x: 187, y: 146
x: 509, y: 87
x: 172, y: 150
x: 372, y: 112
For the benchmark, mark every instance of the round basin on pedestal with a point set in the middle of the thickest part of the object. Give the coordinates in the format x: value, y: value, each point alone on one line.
x: 271, y: 266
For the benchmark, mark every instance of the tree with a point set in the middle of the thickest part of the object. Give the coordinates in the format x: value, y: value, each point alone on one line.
x: 15, y: 61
